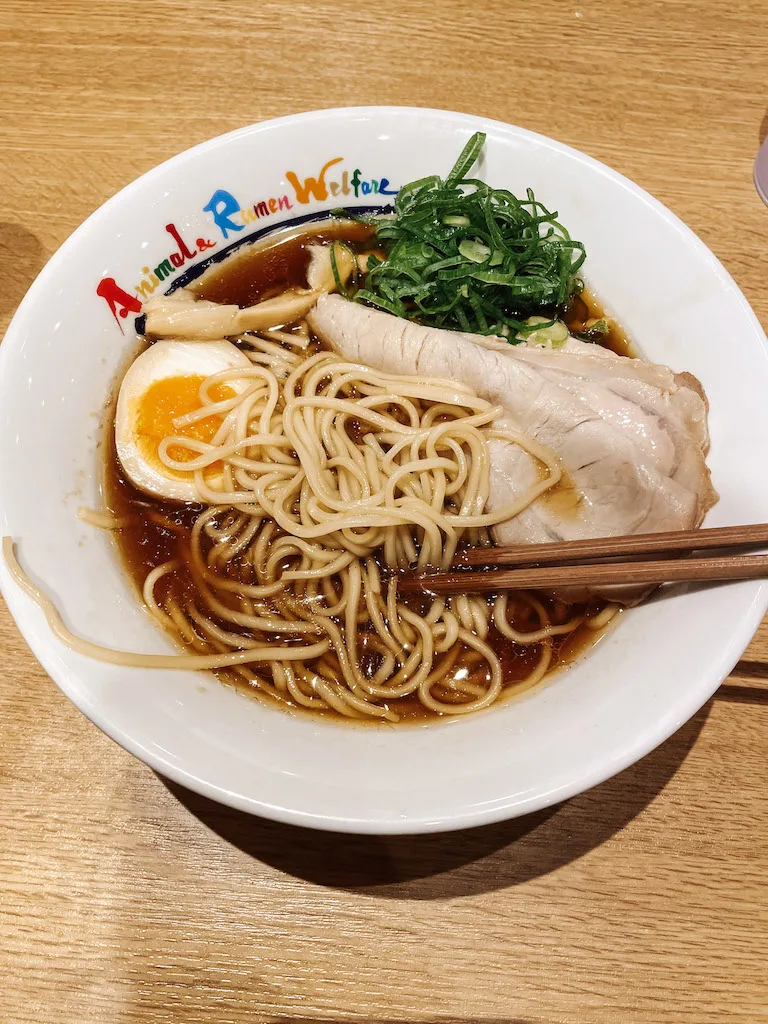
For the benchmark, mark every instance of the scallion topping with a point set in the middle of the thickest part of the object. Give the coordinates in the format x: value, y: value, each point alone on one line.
x: 463, y: 255
x: 539, y: 330
x: 595, y: 330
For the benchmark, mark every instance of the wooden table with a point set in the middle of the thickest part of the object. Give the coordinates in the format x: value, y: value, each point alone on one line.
x: 125, y: 899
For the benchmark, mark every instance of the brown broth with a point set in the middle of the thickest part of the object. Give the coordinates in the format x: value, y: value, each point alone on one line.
x: 585, y: 307
x: 161, y: 530
x: 260, y: 271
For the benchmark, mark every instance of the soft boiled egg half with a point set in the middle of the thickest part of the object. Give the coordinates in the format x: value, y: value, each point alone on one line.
x: 160, y: 386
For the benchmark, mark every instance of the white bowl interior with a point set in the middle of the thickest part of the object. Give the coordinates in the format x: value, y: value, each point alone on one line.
x: 60, y: 358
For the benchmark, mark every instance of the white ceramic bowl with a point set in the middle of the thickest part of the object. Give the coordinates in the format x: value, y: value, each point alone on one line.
x: 59, y: 360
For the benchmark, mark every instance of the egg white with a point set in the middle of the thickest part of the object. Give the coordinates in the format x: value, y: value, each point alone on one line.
x: 162, y: 360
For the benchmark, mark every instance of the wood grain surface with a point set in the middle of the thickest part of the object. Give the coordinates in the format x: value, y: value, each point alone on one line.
x: 125, y: 899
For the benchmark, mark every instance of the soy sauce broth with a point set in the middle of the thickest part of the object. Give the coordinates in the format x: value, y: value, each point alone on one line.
x: 162, y: 529
x: 259, y: 272
x: 585, y: 307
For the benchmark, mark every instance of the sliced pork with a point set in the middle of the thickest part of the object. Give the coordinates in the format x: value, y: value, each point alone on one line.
x: 631, y: 436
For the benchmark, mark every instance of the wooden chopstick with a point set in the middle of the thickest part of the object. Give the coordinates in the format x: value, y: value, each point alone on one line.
x: 682, y: 570
x: 592, y: 567
x: 610, y: 547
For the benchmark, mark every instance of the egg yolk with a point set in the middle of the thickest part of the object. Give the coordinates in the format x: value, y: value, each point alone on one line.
x: 157, y: 408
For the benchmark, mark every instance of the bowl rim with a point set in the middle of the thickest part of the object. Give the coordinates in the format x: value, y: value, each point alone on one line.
x: 37, y: 637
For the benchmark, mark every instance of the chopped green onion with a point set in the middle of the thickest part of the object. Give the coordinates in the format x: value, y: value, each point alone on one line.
x: 473, y: 250
x: 465, y: 256
x: 539, y: 330
x: 340, y: 286
x: 595, y: 330
x: 467, y: 157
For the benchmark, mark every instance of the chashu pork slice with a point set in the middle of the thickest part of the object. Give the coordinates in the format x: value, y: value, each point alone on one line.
x: 632, y: 436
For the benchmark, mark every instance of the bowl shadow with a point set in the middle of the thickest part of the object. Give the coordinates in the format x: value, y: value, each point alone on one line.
x: 762, y: 132
x: 450, y: 864
x: 22, y: 256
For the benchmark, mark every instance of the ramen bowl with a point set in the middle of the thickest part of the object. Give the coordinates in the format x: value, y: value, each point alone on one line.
x: 74, y: 332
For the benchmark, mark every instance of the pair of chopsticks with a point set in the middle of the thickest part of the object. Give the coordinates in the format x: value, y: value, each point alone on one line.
x: 593, y: 563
